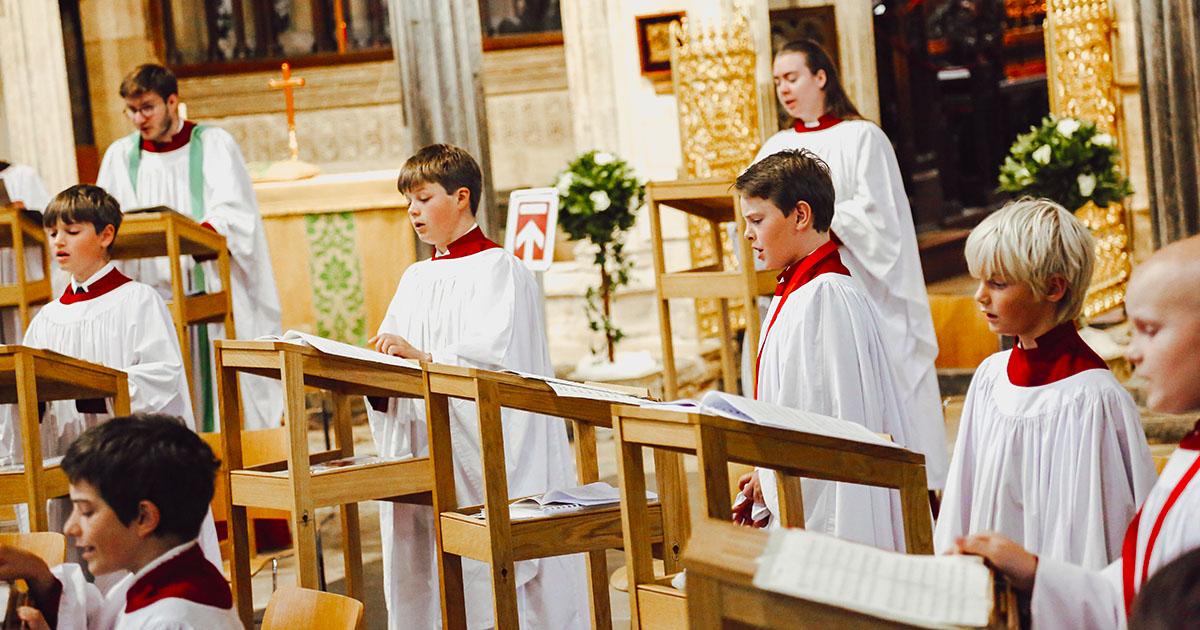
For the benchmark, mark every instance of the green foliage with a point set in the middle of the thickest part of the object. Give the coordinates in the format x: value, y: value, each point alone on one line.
x: 598, y: 198
x: 1068, y: 161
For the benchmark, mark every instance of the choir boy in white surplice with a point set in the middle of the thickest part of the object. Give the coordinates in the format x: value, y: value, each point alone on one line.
x: 199, y: 171
x: 23, y: 185
x: 476, y: 305
x: 141, y: 486
x: 822, y: 349
x: 875, y: 228
x: 1050, y: 450
x: 106, y: 318
x: 1166, y: 333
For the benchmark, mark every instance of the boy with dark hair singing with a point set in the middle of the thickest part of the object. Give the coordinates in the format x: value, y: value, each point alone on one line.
x: 821, y: 350
x: 141, y: 486
x: 474, y: 305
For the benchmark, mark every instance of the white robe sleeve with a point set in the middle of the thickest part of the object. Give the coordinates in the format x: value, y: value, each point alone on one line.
x: 156, y: 367
x: 866, y: 221
x: 80, y: 606
x: 1069, y: 597
x: 24, y: 185
x: 954, y: 518
x: 229, y: 202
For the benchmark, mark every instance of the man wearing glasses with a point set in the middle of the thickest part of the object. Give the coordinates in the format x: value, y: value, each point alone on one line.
x: 198, y: 171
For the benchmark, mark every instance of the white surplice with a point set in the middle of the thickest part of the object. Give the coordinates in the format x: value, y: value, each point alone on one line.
x: 481, y: 310
x: 825, y: 354
x: 231, y: 208
x: 1059, y: 468
x: 873, y: 219
x: 24, y: 185
x: 127, y: 328
x: 174, y: 592
x: 1069, y: 597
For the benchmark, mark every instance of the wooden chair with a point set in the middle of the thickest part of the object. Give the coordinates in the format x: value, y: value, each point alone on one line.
x: 499, y: 541
x: 49, y: 546
x: 721, y: 563
x: 295, y: 608
x: 717, y: 441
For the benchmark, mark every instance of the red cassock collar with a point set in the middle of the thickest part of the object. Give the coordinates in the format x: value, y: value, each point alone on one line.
x: 824, y: 259
x: 178, y: 142
x: 824, y: 122
x: 1191, y: 441
x: 472, y: 242
x: 189, y: 576
x: 1059, y: 354
x: 111, y: 280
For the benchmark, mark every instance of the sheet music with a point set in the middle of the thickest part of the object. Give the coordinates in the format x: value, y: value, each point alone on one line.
x: 572, y: 389
x: 941, y: 592
x: 339, y: 349
x: 758, y: 412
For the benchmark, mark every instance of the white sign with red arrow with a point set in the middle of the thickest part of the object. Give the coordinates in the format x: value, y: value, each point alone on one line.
x: 532, y: 221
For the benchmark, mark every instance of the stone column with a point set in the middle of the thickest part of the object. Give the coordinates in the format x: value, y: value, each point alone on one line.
x: 588, y: 46
x: 439, y: 50
x: 37, y: 105
x: 1169, y: 68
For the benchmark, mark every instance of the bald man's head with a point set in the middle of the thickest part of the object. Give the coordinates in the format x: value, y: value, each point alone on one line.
x: 1163, y: 303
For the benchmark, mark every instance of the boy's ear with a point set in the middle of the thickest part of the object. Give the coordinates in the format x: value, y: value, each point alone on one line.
x: 1056, y: 287
x: 107, y: 235
x: 147, y: 518
x: 462, y: 197
x: 802, y: 215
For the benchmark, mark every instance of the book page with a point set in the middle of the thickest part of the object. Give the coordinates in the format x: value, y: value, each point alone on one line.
x: 758, y: 412
x: 339, y: 349
x: 572, y: 389
x: 941, y: 592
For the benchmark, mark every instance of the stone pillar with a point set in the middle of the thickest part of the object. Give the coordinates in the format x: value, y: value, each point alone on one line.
x: 439, y: 50
x: 37, y: 105
x: 115, y: 41
x: 1169, y: 68
x: 587, y: 44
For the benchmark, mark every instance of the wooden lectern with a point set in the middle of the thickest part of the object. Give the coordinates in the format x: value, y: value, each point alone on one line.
x: 714, y: 201
x: 718, y: 441
x: 500, y: 541
x: 29, y: 376
x: 721, y: 563
x: 292, y: 485
x: 171, y: 234
x: 20, y: 228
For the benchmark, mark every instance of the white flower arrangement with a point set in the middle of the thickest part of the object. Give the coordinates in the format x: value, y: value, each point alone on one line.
x: 1065, y: 160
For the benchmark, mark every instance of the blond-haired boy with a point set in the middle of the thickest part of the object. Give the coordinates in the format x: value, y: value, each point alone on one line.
x: 472, y: 304
x: 1166, y: 333
x: 1050, y: 448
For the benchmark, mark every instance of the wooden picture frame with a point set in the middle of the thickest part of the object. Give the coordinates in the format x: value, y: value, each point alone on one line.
x: 654, y: 43
x: 520, y: 23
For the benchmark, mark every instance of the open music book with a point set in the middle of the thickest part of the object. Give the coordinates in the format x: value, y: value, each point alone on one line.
x: 753, y: 411
x: 574, y: 389
x: 339, y: 349
x: 577, y: 499
x: 940, y: 592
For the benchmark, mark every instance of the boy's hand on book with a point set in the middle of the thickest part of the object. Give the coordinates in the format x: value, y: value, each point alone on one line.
x: 32, y: 618
x: 396, y: 346
x: 1004, y: 555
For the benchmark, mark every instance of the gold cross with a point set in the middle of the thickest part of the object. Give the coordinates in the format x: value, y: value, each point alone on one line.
x: 286, y: 85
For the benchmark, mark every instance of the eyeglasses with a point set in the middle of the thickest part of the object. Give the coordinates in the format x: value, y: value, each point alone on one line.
x: 146, y: 110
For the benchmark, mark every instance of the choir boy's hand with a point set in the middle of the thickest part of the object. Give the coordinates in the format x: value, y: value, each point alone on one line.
x: 32, y: 618
x: 396, y: 346
x: 1006, y: 556
x: 750, y: 487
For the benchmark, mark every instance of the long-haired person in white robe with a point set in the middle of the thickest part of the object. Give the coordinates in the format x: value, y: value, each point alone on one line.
x: 23, y: 185
x: 141, y: 486
x: 822, y: 348
x: 1165, y: 313
x: 473, y: 304
x: 106, y: 318
x: 875, y: 228
x: 198, y: 171
x: 1050, y: 450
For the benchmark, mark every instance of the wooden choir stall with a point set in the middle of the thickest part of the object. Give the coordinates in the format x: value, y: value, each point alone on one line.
x: 21, y: 229
x: 718, y: 441
x: 28, y: 377
x: 462, y: 532
x: 301, y: 483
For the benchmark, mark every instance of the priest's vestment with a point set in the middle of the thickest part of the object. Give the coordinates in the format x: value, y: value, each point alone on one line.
x: 201, y: 174
x: 179, y: 590
x: 1066, y: 596
x: 1050, y: 453
x: 873, y: 220
x: 23, y: 185
x: 823, y: 351
x: 475, y: 306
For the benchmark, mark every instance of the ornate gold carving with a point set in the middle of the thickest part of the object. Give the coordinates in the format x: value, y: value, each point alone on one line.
x: 712, y: 69
x: 1079, y: 43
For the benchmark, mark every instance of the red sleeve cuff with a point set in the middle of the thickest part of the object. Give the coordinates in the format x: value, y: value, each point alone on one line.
x: 208, y: 225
